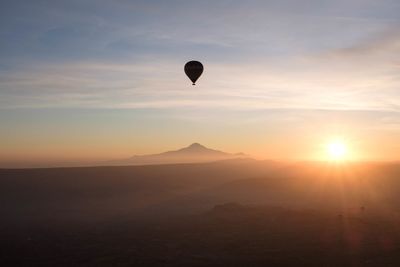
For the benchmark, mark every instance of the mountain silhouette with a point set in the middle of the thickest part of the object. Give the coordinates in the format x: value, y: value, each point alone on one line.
x: 190, y: 154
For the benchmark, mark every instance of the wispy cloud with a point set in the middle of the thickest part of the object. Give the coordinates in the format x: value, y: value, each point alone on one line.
x: 258, y: 54
x: 317, y: 82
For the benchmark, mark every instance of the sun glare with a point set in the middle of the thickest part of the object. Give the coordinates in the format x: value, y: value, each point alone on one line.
x: 337, y: 150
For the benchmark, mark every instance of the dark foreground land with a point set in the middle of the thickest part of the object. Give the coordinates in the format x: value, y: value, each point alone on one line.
x: 232, y: 213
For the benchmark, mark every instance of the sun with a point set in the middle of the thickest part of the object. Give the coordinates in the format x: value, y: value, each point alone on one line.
x: 337, y: 150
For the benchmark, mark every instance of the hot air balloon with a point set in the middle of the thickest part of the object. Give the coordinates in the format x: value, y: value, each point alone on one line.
x: 193, y: 70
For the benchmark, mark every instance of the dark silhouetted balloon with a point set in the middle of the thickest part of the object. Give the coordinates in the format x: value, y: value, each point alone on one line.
x: 193, y: 70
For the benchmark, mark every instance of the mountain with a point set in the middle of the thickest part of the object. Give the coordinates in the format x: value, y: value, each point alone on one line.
x: 191, y: 154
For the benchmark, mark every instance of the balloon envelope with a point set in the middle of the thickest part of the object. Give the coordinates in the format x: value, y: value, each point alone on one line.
x: 193, y: 70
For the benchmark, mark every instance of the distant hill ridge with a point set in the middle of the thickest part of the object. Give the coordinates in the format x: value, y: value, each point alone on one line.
x: 190, y: 154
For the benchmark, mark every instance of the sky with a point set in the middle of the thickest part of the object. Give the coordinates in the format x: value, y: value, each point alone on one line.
x: 97, y: 80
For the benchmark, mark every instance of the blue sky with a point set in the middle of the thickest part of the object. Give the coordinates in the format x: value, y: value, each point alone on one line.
x: 265, y: 61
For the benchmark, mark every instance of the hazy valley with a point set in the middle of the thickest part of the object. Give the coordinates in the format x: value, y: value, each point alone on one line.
x: 223, y: 213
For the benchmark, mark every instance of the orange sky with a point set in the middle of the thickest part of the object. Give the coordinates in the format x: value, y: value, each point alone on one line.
x: 281, y: 79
